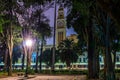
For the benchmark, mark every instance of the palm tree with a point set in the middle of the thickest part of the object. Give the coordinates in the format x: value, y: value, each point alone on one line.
x: 45, y: 31
x: 47, y: 57
x: 65, y: 48
x: 42, y: 27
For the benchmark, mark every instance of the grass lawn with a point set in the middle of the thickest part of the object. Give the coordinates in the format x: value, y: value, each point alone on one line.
x: 4, y: 74
x: 44, y: 72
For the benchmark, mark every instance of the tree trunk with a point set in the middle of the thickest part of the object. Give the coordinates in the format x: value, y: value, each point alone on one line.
x: 36, y: 67
x: 6, y: 60
x: 91, y: 53
x: 114, y: 60
x: 96, y: 67
x: 110, y: 73
x: 90, y: 57
x: 10, y: 68
x: 24, y: 36
x: 10, y: 38
x: 23, y: 60
x: 10, y: 49
x: 29, y: 58
x: 105, y: 65
x: 40, y: 66
x: 10, y: 62
x: 68, y: 63
x: 93, y: 57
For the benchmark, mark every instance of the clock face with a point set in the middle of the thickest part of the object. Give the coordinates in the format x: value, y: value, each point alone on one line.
x: 60, y: 23
x: 61, y: 14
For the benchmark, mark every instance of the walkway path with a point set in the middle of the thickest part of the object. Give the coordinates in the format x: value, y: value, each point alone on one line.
x: 48, y: 77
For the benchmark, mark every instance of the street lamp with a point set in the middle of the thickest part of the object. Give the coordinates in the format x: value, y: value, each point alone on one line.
x: 28, y: 44
x: 53, y: 55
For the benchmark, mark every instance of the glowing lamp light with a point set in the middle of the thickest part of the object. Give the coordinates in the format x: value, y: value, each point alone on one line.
x: 29, y: 42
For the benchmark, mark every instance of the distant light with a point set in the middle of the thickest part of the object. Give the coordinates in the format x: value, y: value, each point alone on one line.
x: 29, y: 42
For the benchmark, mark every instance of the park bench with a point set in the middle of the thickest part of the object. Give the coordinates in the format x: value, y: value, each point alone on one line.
x: 20, y: 73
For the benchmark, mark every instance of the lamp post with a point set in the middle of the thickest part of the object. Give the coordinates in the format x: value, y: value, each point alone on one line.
x: 53, y: 55
x: 28, y: 44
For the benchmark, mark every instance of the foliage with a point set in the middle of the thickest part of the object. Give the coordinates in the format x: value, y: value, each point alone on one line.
x: 111, y: 7
x: 9, y: 10
x: 65, y: 72
x: 81, y: 18
x: 31, y: 71
x: 65, y: 48
x: 2, y: 22
x: 41, y: 23
x: 17, y: 34
x: 47, y: 57
x: 31, y: 2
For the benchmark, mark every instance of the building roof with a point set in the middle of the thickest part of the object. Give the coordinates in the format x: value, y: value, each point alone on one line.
x: 73, y: 37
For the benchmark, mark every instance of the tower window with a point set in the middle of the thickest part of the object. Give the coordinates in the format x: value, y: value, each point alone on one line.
x: 60, y: 36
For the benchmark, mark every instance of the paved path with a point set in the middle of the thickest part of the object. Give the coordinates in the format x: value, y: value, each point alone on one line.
x: 47, y: 77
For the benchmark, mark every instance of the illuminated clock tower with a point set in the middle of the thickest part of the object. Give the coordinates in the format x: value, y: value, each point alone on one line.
x: 60, y: 26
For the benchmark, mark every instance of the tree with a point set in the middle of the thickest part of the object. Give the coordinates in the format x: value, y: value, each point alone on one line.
x: 45, y: 31
x: 16, y: 40
x: 24, y: 14
x: 8, y: 7
x: 3, y: 40
x: 114, y: 47
x: 107, y: 37
x: 81, y: 18
x: 111, y: 7
x: 47, y: 56
x: 31, y: 19
x: 65, y: 48
x: 41, y: 26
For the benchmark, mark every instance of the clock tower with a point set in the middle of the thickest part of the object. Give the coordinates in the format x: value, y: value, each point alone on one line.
x: 60, y: 26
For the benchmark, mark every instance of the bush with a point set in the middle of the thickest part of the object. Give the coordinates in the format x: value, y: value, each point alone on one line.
x: 117, y: 70
x: 18, y: 70
x: 65, y: 72
x: 31, y: 71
